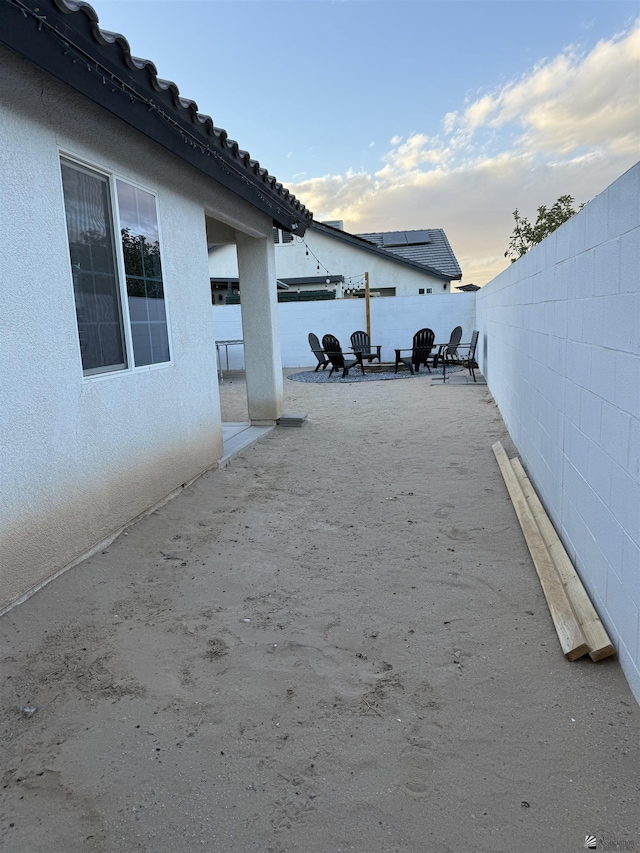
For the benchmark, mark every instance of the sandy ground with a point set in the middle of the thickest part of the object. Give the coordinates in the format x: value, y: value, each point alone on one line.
x: 337, y: 643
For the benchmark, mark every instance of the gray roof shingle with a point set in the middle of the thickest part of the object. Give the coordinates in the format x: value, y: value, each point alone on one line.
x: 428, y: 247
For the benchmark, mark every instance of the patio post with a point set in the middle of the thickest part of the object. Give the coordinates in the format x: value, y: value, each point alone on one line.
x: 260, y: 328
x: 367, y: 298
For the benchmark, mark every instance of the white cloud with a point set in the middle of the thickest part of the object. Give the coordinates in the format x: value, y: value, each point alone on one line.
x: 449, y: 122
x: 571, y: 126
x: 334, y: 193
x: 408, y: 155
x: 478, y: 113
x: 569, y: 102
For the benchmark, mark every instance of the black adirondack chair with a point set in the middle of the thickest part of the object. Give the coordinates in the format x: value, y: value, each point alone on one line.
x: 361, y: 342
x: 333, y: 351
x: 448, y: 353
x: 420, y: 351
x: 314, y: 343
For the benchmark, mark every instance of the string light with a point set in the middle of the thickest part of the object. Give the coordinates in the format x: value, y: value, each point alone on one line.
x: 351, y: 284
x: 354, y: 283
x: 319, y: 265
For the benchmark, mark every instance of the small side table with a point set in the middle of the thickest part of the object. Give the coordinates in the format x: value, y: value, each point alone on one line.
x: 226, y: 345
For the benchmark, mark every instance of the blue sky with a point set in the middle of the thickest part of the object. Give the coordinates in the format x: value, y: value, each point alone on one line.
x: 410, y: 114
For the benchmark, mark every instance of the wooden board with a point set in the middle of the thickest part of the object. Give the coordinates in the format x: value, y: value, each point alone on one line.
x: 572, y: 639
x: 600, y: 645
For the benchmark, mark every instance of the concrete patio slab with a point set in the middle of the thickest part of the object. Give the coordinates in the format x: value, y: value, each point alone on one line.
x: 237, y: 436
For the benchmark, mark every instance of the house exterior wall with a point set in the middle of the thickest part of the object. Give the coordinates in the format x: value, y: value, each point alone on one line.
x: 560, y: 348
x: 81, y: 457
x: 337, y: 257
x: 394, y: 321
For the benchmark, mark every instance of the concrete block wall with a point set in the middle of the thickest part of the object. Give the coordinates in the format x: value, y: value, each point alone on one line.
x: 394, y: 321
x: 560, y: 348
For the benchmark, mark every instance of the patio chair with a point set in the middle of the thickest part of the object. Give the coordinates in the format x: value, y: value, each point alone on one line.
x: 333, y: 351
x: 448, y: 353
x: 361, y: 342
x: 314, y: 343
x: 468, y: 358
x: 420, y: 351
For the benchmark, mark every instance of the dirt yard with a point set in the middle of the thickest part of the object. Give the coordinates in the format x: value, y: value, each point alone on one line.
x: 337, y: 643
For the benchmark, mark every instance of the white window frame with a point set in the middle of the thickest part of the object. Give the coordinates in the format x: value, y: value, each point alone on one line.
x: 112, y: 177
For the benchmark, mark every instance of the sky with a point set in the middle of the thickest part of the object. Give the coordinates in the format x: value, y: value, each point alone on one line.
x: 409, y: 114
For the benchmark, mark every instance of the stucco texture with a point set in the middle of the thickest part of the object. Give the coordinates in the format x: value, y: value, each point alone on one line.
x: 83, y: 457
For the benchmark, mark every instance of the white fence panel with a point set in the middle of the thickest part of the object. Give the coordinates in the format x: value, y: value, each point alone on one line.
x: 394, y: 321
x: 560, y: 348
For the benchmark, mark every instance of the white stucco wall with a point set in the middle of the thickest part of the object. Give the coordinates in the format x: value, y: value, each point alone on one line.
x: 338, y: 258
x: 394, y: 321
x: 560, y: 348
x: 83, y: 457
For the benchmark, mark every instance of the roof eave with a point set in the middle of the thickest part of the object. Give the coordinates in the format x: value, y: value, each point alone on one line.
x: 366, y: 246
x: 62, y: 37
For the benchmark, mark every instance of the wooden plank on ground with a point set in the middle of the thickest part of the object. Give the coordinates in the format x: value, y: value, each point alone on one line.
x: 599, y: 642
x: 567, y: 627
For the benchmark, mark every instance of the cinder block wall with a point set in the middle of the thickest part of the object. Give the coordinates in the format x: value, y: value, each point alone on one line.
x: 394, y: 321
x: 560, y: 348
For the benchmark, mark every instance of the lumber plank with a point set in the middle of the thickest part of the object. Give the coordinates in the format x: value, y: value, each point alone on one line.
x: 570, y: 635
x: 599, y: 642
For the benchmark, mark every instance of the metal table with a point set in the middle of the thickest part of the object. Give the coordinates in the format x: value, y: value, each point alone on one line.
x: 226, y: 345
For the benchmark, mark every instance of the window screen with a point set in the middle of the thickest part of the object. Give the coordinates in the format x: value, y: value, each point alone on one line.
x: 94, y: 270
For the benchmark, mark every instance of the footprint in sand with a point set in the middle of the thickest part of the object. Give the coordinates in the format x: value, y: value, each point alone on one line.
x: 458, y: 534
x: 459, y: 469
x: 444, y: 511
x: 419, y: 765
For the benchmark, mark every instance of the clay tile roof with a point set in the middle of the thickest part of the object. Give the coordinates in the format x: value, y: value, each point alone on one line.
x: 63, y: 37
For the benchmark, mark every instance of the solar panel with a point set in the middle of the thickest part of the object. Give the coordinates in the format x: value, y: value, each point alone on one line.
x: 394, y: 238
x: 416, y: 238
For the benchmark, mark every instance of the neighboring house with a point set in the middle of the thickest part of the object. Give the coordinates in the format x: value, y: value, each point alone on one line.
x: 427, y: 247
x: 469, y: 288
x: 112, y: 188
x: 332, y: 261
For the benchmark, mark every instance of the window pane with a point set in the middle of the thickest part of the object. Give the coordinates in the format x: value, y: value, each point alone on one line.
x: 141, y: 343
x: 95, y: 283
x: 141, y: 248
x: 159, y: 342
